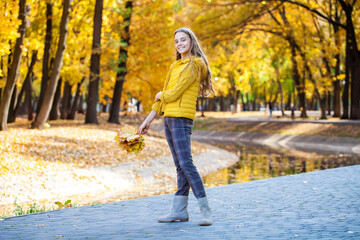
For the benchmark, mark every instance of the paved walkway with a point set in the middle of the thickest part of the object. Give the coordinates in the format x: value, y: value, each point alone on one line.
x: 317, y: 205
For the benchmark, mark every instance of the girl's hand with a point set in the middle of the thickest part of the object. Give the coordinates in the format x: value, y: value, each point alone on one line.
x: 157, y: 98
x: 143, y: 129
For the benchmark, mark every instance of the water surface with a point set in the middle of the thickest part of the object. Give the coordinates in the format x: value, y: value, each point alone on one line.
x: 260, y: 162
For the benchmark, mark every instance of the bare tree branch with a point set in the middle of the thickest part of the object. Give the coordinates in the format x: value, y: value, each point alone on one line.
x: 316, y: 12
x: 242, y: 24
x: 291, y: 2
x: 265, y: 30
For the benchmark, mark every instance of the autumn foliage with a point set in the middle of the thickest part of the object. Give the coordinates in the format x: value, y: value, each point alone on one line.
x: 129, y: 140
x: 285, y: 52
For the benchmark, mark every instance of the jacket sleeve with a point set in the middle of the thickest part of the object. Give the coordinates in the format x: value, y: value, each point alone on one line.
x: 156, y: 106
x: 191, y: 74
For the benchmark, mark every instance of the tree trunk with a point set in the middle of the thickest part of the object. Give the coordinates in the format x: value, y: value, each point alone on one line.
x: 211, y: 104
x: 355, y: 70
x: 115, y: 105
x: 222, y: 105
x: 91, y: 116
x: 1, y: 77
x: 12, y: 105
x: 202, y: 107
x: 65, y: 103
x: 103, y: 108
x: 288, y: 102
x: 51, y: 88
x: 296, y: 77
x: 355, y: 90
x: 28, y: 98
x: 345, y: 95
x: 25, y: 84
x: 336, y: 97
x: 76, y: 100
x: 312, y: 101
x: 80, y: 108
x: 336, y: 83
x: 46, y: 57
x: 228, y: 102
x: 253, y: 103
x: 353, y: 58
x: 322, y: 101
x: 328, y: 98
x: 122, y: 70
x: 293, y: 93
x: 280, y: 90
x: 12, y: 76
x: 242, y: 101
x: 22, y: 108
x: 54, y: 113
x: 236, y: 100
x: 9, y: 62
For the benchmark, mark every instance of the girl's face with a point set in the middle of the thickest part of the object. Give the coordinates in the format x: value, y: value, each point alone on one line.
x: 182, y: 44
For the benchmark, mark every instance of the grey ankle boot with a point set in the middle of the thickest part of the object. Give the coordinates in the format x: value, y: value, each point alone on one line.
x: 206, y: 218
x: 179, y: 210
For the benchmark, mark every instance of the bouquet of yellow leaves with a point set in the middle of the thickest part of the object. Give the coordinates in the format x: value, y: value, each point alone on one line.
x: 129, y: 140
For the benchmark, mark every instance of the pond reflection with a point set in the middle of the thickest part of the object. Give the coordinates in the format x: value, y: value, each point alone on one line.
x: 260, y: 162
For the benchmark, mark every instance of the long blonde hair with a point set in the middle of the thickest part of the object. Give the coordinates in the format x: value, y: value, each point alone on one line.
x: 206, y: 86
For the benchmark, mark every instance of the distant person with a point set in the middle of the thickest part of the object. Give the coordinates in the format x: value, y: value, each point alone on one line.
x: 188, y: 77
x: 292, y: 111
x: 270, y: 109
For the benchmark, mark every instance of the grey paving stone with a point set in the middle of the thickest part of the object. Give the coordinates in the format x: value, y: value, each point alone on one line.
x: 317, y: 205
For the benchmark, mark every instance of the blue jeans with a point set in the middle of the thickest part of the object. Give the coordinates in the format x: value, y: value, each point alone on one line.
x: 178, y: 131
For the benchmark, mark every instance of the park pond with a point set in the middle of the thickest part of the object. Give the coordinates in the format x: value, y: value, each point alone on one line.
x: 261, y: 162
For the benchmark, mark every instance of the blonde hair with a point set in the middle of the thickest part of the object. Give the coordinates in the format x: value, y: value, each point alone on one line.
x: 206, y: 87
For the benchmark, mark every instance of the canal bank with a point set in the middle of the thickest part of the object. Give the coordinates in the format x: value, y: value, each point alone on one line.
x: 309, y: 142
x: 285, y: 141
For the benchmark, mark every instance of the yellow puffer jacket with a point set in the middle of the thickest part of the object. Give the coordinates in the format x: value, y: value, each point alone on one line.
x: 181, y: 88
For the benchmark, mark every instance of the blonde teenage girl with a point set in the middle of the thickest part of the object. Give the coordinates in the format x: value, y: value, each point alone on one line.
x: 188, y: 77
